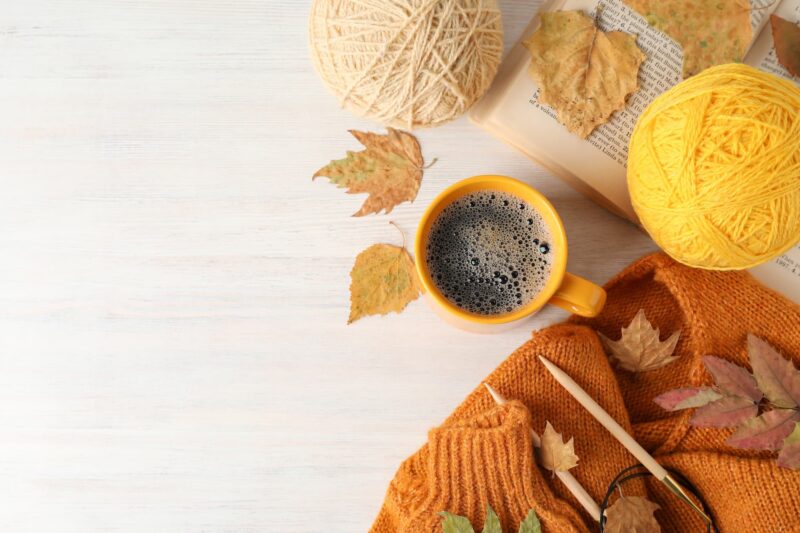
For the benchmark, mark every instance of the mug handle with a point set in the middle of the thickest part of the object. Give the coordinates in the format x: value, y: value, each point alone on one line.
x: 579, y: 296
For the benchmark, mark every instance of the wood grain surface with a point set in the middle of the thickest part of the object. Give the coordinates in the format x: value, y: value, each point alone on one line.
x: 174, y: 354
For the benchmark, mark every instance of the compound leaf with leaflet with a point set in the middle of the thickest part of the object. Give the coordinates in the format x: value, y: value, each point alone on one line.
x: 790, y: 453
x: 765, y: 432
x: 492, y: 522
x: 678, y: 399
x: 455, y: 524
x: 724, y: 413
x: 452, y: 523
x: 531, y: 523
x: 777, y: 377
x: 732, y: 379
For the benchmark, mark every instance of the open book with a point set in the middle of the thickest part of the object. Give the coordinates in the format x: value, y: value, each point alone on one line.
x: 596, y: 166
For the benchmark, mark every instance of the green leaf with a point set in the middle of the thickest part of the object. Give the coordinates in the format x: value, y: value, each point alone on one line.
x: 492, y: 523
x: 455, y: 524
x: 531, y: 523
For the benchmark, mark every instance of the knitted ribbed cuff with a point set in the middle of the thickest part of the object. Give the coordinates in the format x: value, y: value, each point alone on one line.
x: 488, y: 460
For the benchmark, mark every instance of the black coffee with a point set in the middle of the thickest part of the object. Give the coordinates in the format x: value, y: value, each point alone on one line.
x: 489, y: 252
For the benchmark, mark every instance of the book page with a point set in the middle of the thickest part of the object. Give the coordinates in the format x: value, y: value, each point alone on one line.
x: 782, y: 274
x: 597, y: 165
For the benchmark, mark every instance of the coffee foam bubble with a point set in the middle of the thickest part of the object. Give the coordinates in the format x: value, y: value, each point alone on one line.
x: 489, y: 252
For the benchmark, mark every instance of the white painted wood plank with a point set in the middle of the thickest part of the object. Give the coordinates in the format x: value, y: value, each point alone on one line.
x: 174, y: 288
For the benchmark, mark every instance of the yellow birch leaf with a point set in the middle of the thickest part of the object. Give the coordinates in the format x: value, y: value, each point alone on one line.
x: 389, y: 169
x: 640, y: 349
x: 583, y: 73
x: 383, y: 279
x: 632, y: 514
x: 710, y: 32
x: 556, y: 455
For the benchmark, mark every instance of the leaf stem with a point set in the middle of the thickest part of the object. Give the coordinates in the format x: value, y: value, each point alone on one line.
x: 403, y: 233
x: 429, y: 165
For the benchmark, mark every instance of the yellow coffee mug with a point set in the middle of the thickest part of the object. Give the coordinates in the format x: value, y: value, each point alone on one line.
x: 563, y: 289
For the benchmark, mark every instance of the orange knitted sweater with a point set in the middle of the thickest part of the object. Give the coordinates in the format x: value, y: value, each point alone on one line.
x: 482, y: 454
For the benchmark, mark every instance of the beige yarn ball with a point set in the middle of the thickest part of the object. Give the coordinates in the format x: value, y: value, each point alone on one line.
x: 406, y: 63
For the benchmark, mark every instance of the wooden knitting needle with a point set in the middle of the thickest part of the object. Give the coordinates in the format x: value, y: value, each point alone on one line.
x: 566, y: 478
x: 624, y: 438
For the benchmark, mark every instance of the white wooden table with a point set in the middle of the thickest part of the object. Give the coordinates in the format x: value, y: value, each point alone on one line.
x: 174, y: 354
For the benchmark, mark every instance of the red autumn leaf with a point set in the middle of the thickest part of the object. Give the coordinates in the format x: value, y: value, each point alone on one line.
x: 732, y: 379
x: 677, y: 399
x: 777, y: 377
x: 765, y: 432
x: 790, y: 453
x: 787, y: 43
x: 727, y: 412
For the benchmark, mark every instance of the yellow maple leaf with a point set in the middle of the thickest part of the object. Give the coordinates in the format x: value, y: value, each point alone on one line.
x: 631, y: 514
x: 383, y: 279
x: 640, y: 349
x: 555, y: 454
x: 389, y: 169
x: 710, y: 32
x: 583, y: 73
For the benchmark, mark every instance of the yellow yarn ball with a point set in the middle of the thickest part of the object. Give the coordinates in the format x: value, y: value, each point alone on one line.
x: 406, y: 63
x: 714, y: 168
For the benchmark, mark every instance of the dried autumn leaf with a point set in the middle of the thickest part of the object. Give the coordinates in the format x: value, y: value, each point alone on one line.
x: 786, y: 36
x: 765, y: 432
x: 632, y: 514
x: 383, y: 279
x: 710, y: 32
x: 556, y: 455
x: 639, y: 349
x: 724, y: 413
x: 790, y: 453
x: 389, y: 169
x: 583, y: 73
x: 678, y: 399
x: 531, y: 523
x: 455, y: 524
x: 732, y: 379
x: 459, y: 524
x: 492, y: 522
x: 777, y: 377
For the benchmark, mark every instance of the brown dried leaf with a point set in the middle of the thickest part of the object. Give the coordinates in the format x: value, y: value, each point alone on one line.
x: 389, y: 169
x: 710, y: 32
x: 556, y: 455
x: 776, y: 376
x: 639, y: 349
x: 724, y: 413
x: 632, y: 514
x: 686, y: 398
x: 790, y: 452
x: 786, y: 35
x: 765, y: 432
x: 582, y: 72
x: 383, y: 279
